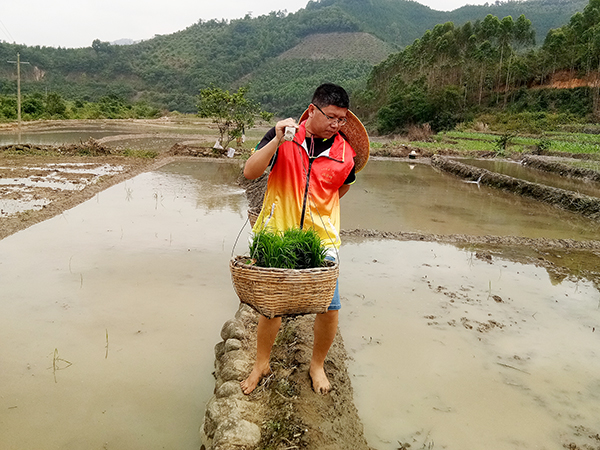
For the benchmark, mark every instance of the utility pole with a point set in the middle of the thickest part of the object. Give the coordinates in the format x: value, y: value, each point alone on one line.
x: 18, y: 63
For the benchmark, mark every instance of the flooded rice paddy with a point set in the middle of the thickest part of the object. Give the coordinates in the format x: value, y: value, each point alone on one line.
x: 450, y: 351
x: 109, y: 314
x: 20, y: 187
x: 393, y: 196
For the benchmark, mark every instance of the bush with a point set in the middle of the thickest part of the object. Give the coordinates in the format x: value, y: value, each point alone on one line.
x: 421, y: 133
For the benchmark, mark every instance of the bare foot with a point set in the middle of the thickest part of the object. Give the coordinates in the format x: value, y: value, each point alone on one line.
x: 250, y: 383
x: 320, y: 382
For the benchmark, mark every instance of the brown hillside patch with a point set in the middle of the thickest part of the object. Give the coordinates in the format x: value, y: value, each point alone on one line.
x: 568, y: 79
x: 356, y: 46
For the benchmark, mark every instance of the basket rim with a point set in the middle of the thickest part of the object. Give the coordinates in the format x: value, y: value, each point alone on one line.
x: 236, y: 262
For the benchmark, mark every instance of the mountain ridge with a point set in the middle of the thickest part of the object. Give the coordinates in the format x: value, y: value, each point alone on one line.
x: 168, y: 71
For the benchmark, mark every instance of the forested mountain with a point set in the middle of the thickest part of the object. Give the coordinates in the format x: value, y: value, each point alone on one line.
x: 402, y: 21
x: 268, y: 52
x: 453, y: 72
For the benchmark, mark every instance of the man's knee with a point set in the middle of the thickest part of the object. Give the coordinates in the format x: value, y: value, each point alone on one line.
x: 330, y: 316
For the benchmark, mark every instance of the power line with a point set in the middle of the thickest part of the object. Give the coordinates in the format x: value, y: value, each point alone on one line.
x: 6, y: 31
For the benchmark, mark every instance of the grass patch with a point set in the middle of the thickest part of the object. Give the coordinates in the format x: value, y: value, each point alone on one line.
x: 471, y: 141
x: 442, y: 142
x: 135, y: 153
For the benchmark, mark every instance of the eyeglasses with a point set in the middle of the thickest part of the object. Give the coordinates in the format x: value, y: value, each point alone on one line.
x: 334, y: 120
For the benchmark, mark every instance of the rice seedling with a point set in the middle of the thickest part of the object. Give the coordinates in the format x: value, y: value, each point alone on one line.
x: 56, y: 364
x: 291, y: 249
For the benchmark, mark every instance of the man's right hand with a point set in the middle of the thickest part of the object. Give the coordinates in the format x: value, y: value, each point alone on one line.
x: 260, y: 159
x: 281, y: 126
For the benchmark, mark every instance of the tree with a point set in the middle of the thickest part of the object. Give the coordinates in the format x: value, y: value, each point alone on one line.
x: 55, y: 105
x: 231, y: 112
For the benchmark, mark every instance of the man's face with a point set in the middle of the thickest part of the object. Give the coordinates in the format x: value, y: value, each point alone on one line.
x: 326, y: 121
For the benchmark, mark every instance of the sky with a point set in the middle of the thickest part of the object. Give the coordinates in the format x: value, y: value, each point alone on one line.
x: 76, y: 23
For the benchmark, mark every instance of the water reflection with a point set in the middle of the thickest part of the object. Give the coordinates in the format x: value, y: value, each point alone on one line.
x: 390, y: 196
x: 214, y: 184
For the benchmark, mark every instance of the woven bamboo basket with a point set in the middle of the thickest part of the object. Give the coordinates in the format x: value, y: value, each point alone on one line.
x: 253, y: 215
x: 282, y: 292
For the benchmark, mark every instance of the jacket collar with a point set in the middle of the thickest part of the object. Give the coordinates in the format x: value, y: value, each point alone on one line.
x: 336, y: 151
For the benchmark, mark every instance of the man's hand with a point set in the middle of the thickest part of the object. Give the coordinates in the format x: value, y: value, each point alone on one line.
x: 281, y: 126
x: 259, y: 160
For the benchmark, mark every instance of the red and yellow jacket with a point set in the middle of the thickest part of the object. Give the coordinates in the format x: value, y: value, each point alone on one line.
x: 304, y: 192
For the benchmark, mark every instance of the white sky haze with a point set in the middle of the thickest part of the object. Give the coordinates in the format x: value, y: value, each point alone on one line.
x: 76, y: 23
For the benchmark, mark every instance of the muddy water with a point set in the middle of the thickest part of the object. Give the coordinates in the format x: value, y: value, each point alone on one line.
x: 109, y: 314
x: 398, y: 196
x: 151, y: 136
x: 451, y: 352
x: 76, y: 132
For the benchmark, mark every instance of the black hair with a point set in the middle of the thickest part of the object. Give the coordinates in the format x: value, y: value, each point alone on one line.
x: 331, y: 94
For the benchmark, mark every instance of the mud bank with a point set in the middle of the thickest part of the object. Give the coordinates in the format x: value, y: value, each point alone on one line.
x: 283, y: 412
x: 571, y: 201
x: 555, y: 166
x: 91, y: 147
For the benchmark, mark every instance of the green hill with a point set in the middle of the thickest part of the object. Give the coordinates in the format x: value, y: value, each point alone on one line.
x: 400, y: 22
x: 454, y: 73
x: 346, y: 39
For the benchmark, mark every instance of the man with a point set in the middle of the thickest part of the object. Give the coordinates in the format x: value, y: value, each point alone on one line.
x: 308, y: 176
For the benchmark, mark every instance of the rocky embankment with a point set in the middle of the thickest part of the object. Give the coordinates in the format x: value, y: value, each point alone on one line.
x: 283, y: 412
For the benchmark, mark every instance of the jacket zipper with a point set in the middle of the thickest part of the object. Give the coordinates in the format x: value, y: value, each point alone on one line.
x: 304, y: 200
x: 310, y: 162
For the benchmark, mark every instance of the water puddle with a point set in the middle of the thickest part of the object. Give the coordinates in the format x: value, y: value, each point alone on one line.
x: 517, y: 170
x: 109, y: 314
x: 26, y: 187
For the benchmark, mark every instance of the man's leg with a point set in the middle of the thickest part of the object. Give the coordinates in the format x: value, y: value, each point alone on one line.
x: 265, y: 337
x: 325, y: 328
